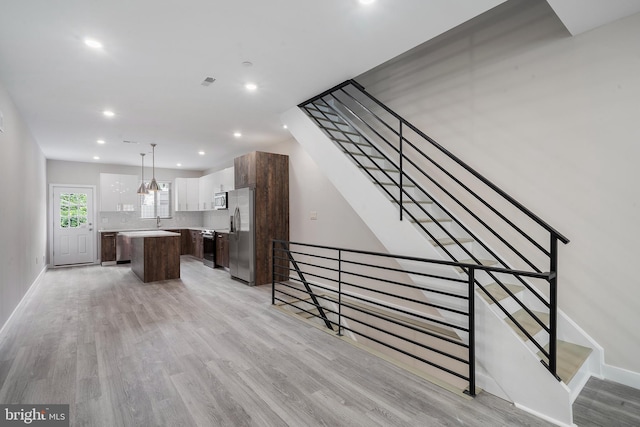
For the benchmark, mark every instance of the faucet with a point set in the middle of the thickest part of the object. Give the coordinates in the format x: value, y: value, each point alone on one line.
x: 158, y: 221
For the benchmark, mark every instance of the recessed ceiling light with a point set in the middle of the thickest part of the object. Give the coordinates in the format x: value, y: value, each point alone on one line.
x: 201, y: 153
x: 366, y: 1
x: 251, y: 86
x: 237, y: 134
x: 207, y: 81
x: 285, y: 127
x: 178, y: 164
x: 100, y: 141
x: 108, y: 113
x: 93, y: 43
x: 96, y: 158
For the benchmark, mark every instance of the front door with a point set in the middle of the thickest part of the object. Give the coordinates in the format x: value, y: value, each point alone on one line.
x: 73, y: 236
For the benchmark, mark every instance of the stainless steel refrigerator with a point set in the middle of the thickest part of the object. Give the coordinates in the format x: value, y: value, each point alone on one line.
x: 242, y: 235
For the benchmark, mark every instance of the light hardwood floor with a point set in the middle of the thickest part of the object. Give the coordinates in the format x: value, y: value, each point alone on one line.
x: 206, y: 351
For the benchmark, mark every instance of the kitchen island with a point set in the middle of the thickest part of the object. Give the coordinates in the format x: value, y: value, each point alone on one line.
x: 155, y: 255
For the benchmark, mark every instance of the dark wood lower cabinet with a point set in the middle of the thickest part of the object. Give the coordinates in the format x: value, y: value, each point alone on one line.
x: 222, y: 250
x: 108, y: 247
x: 196, y: 244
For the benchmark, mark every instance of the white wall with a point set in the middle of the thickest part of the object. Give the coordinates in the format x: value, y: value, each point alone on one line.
x: 23, y: 208
x: 553, y: 120
x: 337, y: 224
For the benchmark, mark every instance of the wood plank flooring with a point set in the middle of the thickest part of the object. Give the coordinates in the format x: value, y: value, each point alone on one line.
x: 605, y: 403
x: 204, y: 350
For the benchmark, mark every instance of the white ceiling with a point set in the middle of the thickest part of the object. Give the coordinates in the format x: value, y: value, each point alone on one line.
x: 157, y: 52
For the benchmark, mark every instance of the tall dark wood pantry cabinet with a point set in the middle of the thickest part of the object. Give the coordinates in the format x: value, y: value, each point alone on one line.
x: 268, y: 173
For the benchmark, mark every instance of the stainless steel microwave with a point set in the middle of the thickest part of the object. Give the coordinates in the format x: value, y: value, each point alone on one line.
x: 220, y: 201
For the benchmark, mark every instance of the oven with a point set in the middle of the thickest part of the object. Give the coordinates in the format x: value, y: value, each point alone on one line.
x: 208, y: 248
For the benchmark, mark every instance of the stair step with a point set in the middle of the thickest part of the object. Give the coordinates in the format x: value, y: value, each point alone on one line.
x: 429, y: 220
x: 309, y: 313
x: 498, y: 293
x: 570, y: 358
x: 371, y: 156
x: 393, y: 184
x: 485, y: 262
x: 528, y: 323
x: 449, y: 241
x: 344, y: 132
x: 374, y: 168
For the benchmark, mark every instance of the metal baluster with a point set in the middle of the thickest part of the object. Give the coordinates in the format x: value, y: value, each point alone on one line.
x: 472, y: 334
x: 401, y: 170
x: 553, y: 303
x: 273, y: 272
x: 339, y: 292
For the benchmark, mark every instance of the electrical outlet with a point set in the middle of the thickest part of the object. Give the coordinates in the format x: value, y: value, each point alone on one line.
x: 314, y: 215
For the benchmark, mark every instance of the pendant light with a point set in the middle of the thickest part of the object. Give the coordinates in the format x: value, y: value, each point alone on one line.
x: 143, y: 188
x: 153, y: 185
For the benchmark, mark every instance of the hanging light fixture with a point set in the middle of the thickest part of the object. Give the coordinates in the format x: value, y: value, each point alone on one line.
x: 153, y: 185
x: 143, y: 188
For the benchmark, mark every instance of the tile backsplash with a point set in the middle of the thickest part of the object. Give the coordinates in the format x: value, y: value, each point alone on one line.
x: 216, y: 220
x: 132, y: 221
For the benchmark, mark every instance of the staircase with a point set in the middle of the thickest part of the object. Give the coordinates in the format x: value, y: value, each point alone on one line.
x: 402, y: 183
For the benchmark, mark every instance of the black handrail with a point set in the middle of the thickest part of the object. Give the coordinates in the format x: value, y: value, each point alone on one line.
x: 323, y: 109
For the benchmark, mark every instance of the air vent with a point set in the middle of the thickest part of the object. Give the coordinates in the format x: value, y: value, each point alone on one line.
x: 126, y: 141
x: 208, y: 81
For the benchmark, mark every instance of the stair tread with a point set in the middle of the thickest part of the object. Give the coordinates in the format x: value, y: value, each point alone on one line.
x: 449, y: 241
x: 377, y: 168
x: 485, y: 262
x: 371, y: 156
x: 348, y: 141
x: 498, y: 293
x: 344, y: 132
x: 527, y: 322
x: 396, y: 184
x: 429, y: 220
x: 570, y: 357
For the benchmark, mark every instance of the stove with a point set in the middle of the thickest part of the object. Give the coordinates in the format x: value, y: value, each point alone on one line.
x: 209, y: 248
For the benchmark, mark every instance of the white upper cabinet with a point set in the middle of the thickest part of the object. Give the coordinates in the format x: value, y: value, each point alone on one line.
x: 207, y: 183
x: 193, y: 194
x: 180, y: 194
x: 196, y: 194
x: 227, y: 183
x: 118, y: 192
x: 186, y: 194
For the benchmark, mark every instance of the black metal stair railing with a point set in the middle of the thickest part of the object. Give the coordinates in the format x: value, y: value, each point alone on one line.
x: 369, y: 295
x: 370, y: 133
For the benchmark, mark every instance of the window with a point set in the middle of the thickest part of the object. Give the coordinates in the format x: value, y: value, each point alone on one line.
x: 157, y: 204
x: 73, y: 210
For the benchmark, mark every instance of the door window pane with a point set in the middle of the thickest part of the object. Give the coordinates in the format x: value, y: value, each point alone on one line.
x: 73, y: 210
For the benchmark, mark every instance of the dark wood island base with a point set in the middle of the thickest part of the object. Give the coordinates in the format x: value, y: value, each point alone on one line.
x: 155, y: 255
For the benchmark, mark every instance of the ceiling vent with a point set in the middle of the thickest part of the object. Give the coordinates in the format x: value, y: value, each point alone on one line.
x: 208, y: 81
x: 126, y: 141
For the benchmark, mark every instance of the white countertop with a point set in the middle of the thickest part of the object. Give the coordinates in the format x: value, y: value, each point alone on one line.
x: 131, y: 230
x: 121, y: 230
x: 150, y: 233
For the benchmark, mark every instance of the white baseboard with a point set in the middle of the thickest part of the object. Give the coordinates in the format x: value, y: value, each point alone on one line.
x: 622, y: 376
x: 26, y: 295
x: 543, y: 416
